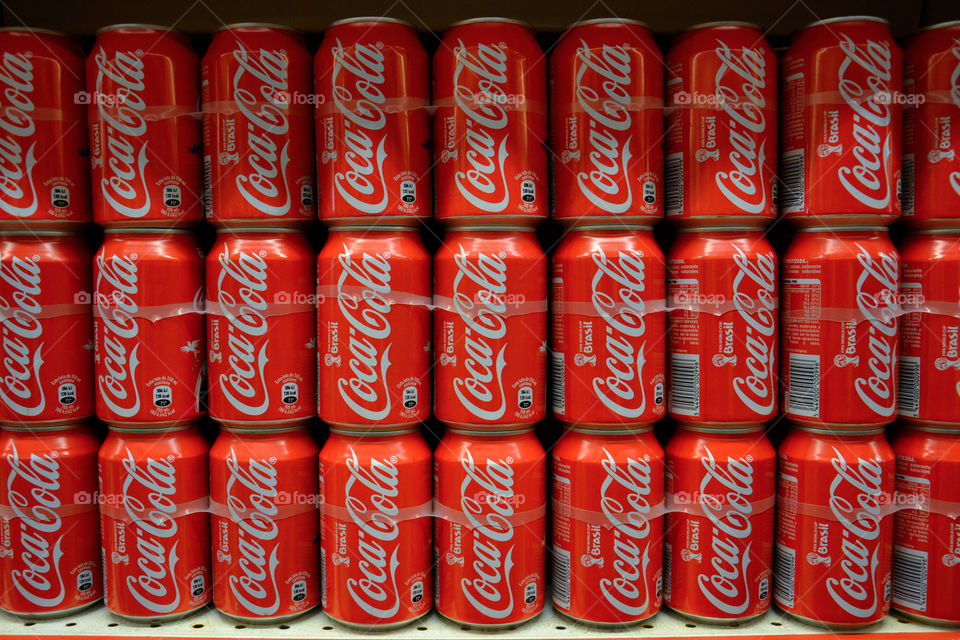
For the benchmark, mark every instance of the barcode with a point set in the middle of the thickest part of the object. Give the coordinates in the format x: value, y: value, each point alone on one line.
x: 207, y: 187
x: 906, y: 184
x: 561, y: 578
x: 784, y: 570
x: 910, y: 578
x: 908, y: 387
x: 685, y: 384
x: 803, y: 385
x: 791, y: 176
x: 673, y: 184
x: 667, y: 569
x: 557, y: 379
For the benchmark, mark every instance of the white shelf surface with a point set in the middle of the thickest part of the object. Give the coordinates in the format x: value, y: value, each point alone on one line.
x: 209, y: 623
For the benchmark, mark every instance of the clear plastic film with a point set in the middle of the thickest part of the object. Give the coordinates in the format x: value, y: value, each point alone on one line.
x: 887, y: 505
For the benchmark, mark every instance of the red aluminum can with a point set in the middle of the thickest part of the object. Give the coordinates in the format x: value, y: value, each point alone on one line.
x: 144, y: 88
x: 258, y: 142
x: 834, y: 532
x: 929, y: 365
x: 47, y: 329
x: 48, y: 521
x: 374, y: 328
x: 723, y: 316
x: 841, y: 124
x: 372, y: 78
x: 608, y: 526
x: 490, y: 327
x: 721, y: 142
x: 608, y: 325
x: 261, y: 327
x: 840, y: 327
x: 490, y: 502
x: 45, y: 176
x: 931, y: 162
x: 263, y: 523
x: 490, y: 124
x: 154, y: 522
x: 606, y: 123
x: 148, y: 325
x: 926, y: 548
x: 376, y: 528
x: 718, y: 546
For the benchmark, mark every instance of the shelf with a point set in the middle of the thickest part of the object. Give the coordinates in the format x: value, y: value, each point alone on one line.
x: 210, y: 624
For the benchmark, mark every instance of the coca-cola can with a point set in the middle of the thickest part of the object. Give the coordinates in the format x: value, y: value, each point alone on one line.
x: 490, y: 123
x: 606, y: 123
x: 257, y: 91
x: 723, y: 299
x: 47, y: 330
x: 931, y: 164
x: 490, y: 327
x: 718, y: 545
x: 608, y: 526
x: 372, y: 78
x: 840, y: 322
x: 43, y: 109
x: 929, y: 366
x: 144, y: 88
x: 607, y: 356
x: 154, y: 522
x: 149, y: 339
x: 376, y: 528
x: 49, y: 521
x: 261, y: 327
x: 834, y: 531
x: 263, y: 523
x: 841, y: 124
x: 374, y: 328
x: 490, y: 527
x: 721, y: 142
x: 926, y: 548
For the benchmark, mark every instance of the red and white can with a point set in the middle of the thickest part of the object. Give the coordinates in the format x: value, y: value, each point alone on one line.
x: 263, y: 523
x: 931, y: 162
x: 149, y: 327
x: 372, y: 79
x: 723, y: 300
x: 375, y: 528
x: 834, y: 533
x: 718, y: 546
x: 840, y: 327
x: 608, y: 526
x: 608, y: 324
x: 490, y: 124
x: 46, y: 174
x: 258, y: 144
x: 929, y: 364
x: 49, y: 524
x: 721, y: 142
x: 606, y: 123
x: 46, y: 327
x: 261, y: 327
x: 154, y: 522
x: 374, y: 328
x: 926, y: 534
x: 490, y: 505
x: 490, y: 327
x: 841, y: 123
x: 144, y: 88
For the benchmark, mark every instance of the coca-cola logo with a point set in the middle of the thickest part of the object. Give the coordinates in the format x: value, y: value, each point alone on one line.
x: 607, y: 105
x: 118, y: 345
x: 740, y: 85
x: 22, y: 330
x: 124, y: 148
x: 358, y: 79
x: 18, y: 197
x: 478, y: 90
x: 865, y: 76
x: 876, y: 300
x: 257, y: 82
x: 755, y: 299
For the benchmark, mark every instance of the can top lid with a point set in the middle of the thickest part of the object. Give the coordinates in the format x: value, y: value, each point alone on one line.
x: 149, y: 429
x: 853, y: 227
x: 460, y: 23
x: 45, y: 427
x: 491, y: 227
x: 25, y: 29
x: 235, y: 428
x: 846, y: 431
x: 584, y: 23
x: 612, y: 226
x: 145, y: 230
x: 255, y: 25
x: 35, y: 232
x: 738, y: 228
x: 385, y: 19
x: 613, y: 431
x: 263, y: 229
x: 722, y: 23
x: 395, y: 228
x: 479, y: 431
x: 723, y: 429
x: 937, y: 428
x: 371, y: 433
x: 135, y: 25
x: 817, y: 23
x: 940, y: 25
